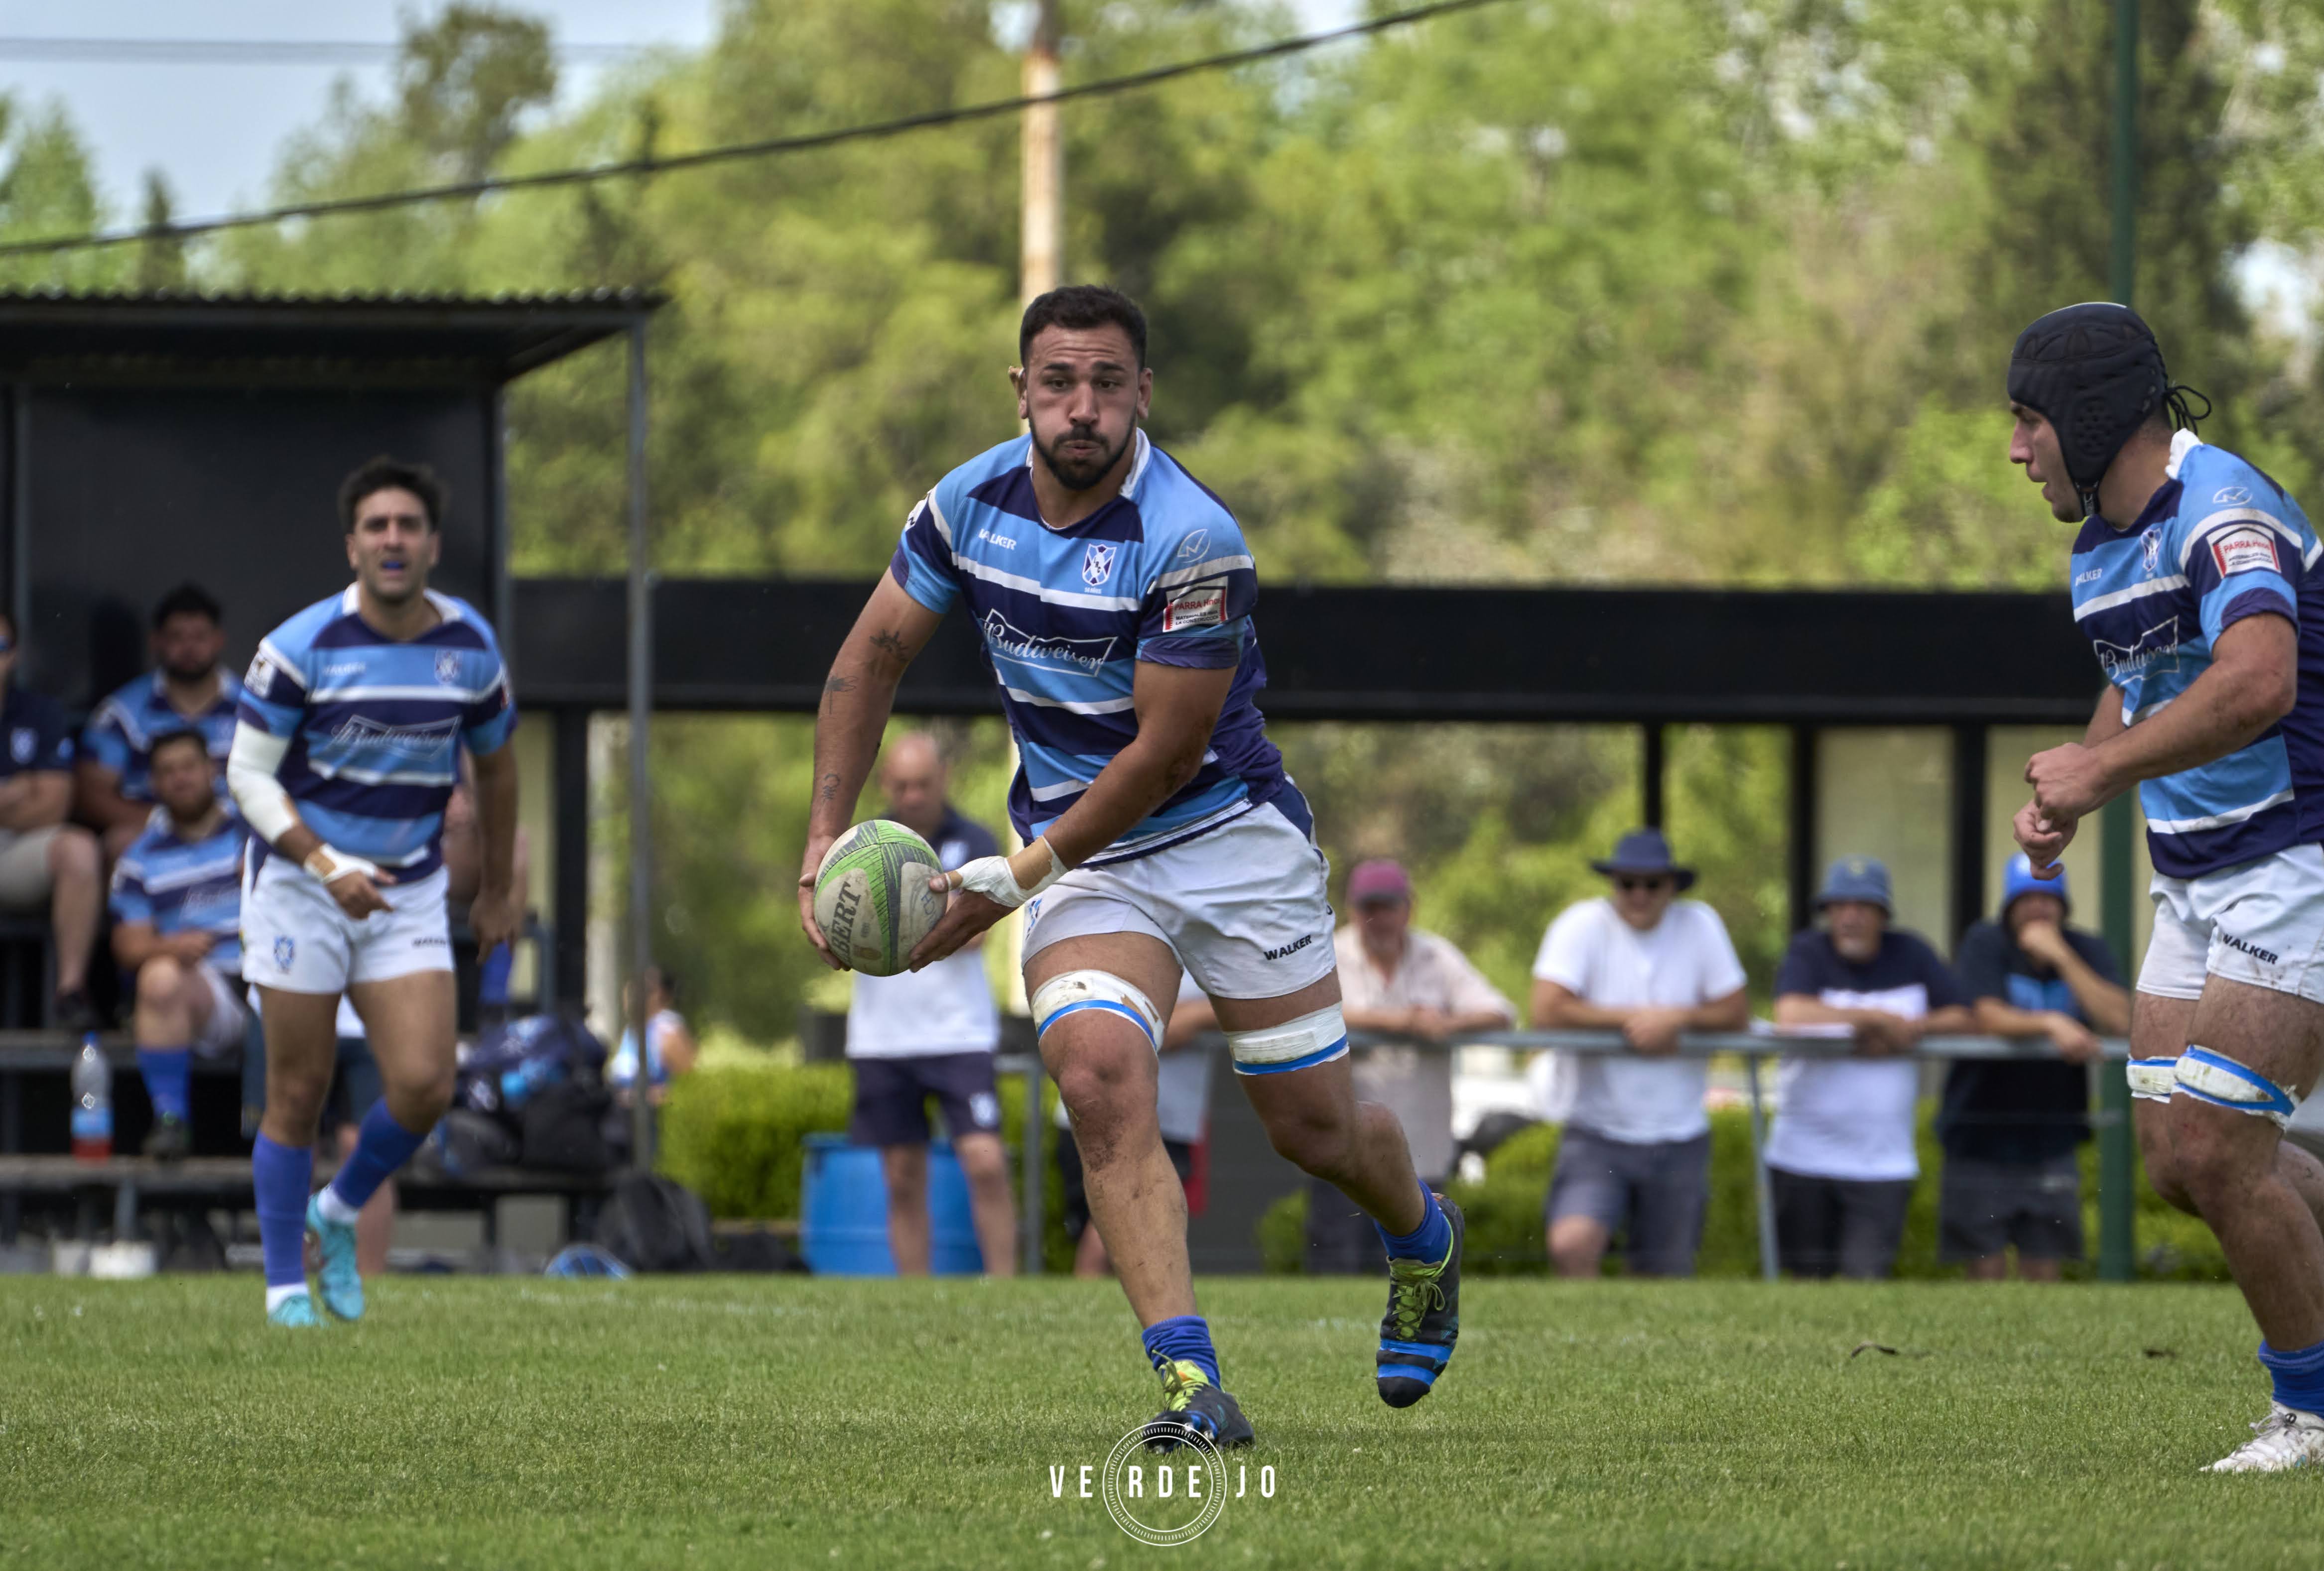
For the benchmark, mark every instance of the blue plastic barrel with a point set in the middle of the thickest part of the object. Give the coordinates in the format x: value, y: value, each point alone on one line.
x: 843, y: 1212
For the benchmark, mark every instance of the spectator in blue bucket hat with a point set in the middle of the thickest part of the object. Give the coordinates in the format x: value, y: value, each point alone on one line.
x: 1840, y: 1160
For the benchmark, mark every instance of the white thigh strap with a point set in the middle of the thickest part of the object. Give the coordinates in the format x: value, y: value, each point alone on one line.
x: 1295, y: 1044
x: 2219, y: 1079
x: 2153, y: 1079
x: 1075, y: 991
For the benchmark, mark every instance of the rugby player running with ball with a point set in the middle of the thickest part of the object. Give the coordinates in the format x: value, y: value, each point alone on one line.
x: 2195, y: 577
x: 1113, y: 594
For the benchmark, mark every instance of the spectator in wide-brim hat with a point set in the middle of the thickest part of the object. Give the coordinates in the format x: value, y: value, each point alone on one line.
x: 1635, y: 1159
x: 2010, y: 1126
x: 1840, y: 1160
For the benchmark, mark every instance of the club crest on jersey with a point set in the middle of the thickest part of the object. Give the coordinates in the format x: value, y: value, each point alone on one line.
x: 2250, y: 548
x: 1097, y: 562
x: 2150, y: 546
x: 448, y: 667
x: 285, y: 952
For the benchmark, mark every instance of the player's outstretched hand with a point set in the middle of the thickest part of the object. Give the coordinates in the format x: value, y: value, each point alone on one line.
x: 816, y: 845
x: 2042, y: 838
x: 968, y: 914
x: 358, y: 893
x: 493, y: 917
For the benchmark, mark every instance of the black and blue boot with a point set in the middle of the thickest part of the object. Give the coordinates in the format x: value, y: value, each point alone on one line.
x: 1423, y: 1320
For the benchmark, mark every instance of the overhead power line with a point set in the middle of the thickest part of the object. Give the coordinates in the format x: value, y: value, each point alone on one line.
x: 731, y: 153
x: 250, y: 51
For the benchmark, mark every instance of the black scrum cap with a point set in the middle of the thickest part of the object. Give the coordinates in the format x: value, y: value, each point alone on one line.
x: 2095, y: 372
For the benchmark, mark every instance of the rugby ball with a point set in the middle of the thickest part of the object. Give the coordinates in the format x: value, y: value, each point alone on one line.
x: 872, y: 899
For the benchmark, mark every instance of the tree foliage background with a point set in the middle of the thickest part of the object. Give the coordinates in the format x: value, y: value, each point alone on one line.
x: 1712, y: 292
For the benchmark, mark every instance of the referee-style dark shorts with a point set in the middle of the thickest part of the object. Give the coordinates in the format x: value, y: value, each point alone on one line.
x: 1984, y: 1208
x: 891, y: 1097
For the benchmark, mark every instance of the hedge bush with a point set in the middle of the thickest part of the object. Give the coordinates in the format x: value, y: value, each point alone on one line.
x: 1505, y: 1214
x: 736, y: 1134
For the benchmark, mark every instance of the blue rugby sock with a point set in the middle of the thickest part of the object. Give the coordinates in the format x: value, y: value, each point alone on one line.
x: 169, y: 1074
x: 2299, y: 1376
x: 281, y: 1176
x: 382, y: 1146
x: 1186, y: 1337
x: 492, y: 975
x: 1428, y: 1242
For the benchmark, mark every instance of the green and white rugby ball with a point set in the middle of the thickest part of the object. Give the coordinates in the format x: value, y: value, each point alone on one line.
x: 871, y: 896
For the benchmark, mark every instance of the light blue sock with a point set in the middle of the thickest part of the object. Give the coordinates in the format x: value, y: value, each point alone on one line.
x: 383, y: 1147
x: 169, y: 1074
x: 1428, y: 1242
x: 281, y: 1176
x: 1186, y: 1337
x: 2299, y: 1376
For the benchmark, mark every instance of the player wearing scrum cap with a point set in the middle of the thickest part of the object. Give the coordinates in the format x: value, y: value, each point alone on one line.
x: 2195, y: 579
x: 346, y: 753
x: 1114, y: 595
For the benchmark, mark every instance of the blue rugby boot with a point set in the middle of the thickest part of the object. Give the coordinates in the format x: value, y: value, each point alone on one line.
x: 1423, y: 1320
x: 297, y: 1310
x: 335, y: 1241
x: 1191, y: 1402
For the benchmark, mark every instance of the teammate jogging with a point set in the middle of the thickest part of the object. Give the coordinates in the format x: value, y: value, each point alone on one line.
x: 347, y: 749
x: 1113, y: 594
x: 2195, y: 578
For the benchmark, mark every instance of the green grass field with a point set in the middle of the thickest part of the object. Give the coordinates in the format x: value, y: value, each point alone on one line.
x: 780, y: 1421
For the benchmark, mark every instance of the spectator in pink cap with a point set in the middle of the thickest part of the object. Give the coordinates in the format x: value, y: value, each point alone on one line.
x: 1397, y: 977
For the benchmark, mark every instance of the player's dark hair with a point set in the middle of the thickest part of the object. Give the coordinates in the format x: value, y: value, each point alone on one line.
x: 188, y: 599
x: 656, y: 976
x: 184, y: 733
x: 386, y: 473
x: 1081, y: 307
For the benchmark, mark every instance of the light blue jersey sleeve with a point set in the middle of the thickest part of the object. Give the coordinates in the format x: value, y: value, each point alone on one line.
x: 1197, y: 611
x: 103, y: 741
x: 486, y: 724
x: 923, y: 565
x: 275, y: 693
x: 130, y: 901
x: 2240, y: 562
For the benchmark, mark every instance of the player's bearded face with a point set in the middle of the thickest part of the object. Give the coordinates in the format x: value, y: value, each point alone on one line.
x: 1080, y: 455
x: 1081, y: 394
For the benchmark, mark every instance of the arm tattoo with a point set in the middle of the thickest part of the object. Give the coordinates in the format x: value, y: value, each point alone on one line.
x: 828, y: 790
x: 890, y: 644
x: 839, y: 684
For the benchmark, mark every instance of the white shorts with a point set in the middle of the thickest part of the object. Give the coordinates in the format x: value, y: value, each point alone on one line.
x: 1244, y: 907
x: 295, y: 937
x: 229, y: 1017
x: 2261, y: 923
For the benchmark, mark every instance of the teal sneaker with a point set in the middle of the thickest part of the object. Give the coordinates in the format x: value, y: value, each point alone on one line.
x: 1423, y: 1320
x: 297, y: 1310
x: 335, y: 1243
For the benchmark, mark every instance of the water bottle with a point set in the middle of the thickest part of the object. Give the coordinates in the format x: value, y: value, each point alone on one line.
x: 519, y: 1084
x: 92, y: 1103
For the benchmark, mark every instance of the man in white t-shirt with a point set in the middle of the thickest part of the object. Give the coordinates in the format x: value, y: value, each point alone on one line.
x: 1840, y: 1160
x: 931, y: 1032
x: 1397, y: 977
x: 1635, y: 1157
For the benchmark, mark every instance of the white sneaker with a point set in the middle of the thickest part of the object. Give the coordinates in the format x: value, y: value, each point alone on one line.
x: 2284, y: 1440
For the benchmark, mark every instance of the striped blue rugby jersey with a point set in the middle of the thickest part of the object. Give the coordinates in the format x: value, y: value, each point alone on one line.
x: 182, y: 886
x: 1160, y: 574
x: 120, y: 734
x: 376, y: 726
x: 2221, y: 541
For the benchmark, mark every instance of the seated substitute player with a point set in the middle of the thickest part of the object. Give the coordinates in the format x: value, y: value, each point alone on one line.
x: 112, y: 778
x: 2195, y: 576
x: 353, y: 719
x: 177, y: 913
x: 1114, y: 595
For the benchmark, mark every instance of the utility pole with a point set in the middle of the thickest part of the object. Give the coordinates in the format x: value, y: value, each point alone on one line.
x: 2118, y: 1239
x: 1043, y: 255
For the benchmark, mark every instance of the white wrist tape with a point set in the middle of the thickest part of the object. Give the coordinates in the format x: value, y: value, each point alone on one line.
x: 992, y: 878
x: 250, y: 770
x: 331, y: 865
